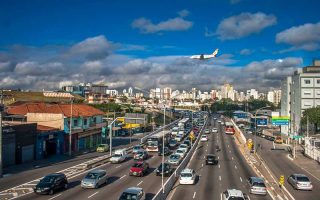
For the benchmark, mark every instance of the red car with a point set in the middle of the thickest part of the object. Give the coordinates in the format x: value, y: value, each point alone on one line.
x: 139, y: 168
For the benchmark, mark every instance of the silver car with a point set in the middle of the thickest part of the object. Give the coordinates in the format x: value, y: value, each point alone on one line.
x: 94, y: 179
x: 300, y: 182
x: 174, y: 159
x: 257, y: 186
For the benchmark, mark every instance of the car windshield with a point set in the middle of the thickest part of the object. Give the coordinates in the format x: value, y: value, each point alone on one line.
x: 117, y: 155
x: 183, y: 146
x: 152, y: 143
x: 91, y: 176
x: 211, y: 157
x: 140, y: 152
x: 173, y: 142
x: 186, y: 175
x: 303, y: 179
x: 136, y: 147
x: 259, y: 184
x: 180, y: 151
x: 102, y: 145
x: 138, y: 165
x: 236, y: 198
x: 128, y: 196
x: 48, y: 179
x: 174, y: 157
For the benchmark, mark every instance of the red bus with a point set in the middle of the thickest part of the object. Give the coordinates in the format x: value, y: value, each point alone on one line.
x: 229, y: 128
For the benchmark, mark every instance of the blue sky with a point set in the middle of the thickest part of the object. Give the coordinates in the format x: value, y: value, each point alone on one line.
x: 146, y: 43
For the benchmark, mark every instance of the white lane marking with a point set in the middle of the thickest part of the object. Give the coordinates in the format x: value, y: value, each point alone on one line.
x: 55, y: 196
x: 235, y: 166
x: 122, y: 176
x: 92, y: 195
x: 219, y: 165
x: 118, y: 166
x: 228, y: 146
x: 218, y: 157
x: 202, y: 164
x: 207, y: 145
x: 206, y: 150
x: 204, y: 156
x: 194, y: 195
x: 230, y: 151
x: 221, y: 196
x: 139, y: 183
x: 220, y: 178
x: 240, y: 179
x: 232, y: 158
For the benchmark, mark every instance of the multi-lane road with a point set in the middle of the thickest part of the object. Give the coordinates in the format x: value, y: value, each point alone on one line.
x: 280, y: 164
x: 231, y: 172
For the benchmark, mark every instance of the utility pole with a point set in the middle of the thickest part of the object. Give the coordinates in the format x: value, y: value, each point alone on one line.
x: 164, y: 124
x: 1, y: 104
x: 70, y: 128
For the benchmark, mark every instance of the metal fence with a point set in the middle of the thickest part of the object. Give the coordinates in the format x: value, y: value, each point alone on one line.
x: 312, y: 148
x: 168, y: 185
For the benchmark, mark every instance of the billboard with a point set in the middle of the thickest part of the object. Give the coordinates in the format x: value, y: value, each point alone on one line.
x: 282, y: 120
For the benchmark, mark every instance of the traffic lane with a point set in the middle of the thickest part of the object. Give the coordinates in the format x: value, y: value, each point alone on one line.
x: 40, y: 171
x: 114, y: 171
x: 198, y: 164
x: 242, y: 168
x: 279, y: 164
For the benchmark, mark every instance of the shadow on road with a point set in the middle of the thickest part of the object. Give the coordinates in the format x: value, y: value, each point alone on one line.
x: 112, y: 179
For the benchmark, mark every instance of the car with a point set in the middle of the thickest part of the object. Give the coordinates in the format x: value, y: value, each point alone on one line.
x: 166, y: 151
x: 206, y: 131
x: 94, y: 179
x: 132, y: 193
x: 137, y: 148
x: 119, y: 156
x: 214, y: 130
x: 173, y: 143
x: 211, y: 159
x: 174, y: 159
x: 51, y: 183
x: 187, y: 177
x: 257, y: 186
x: 187, y: 142
x: 139, y: 168
x: 219, y: 121
x: 102, y: 148
x: 184, y: 146
x: 181, y: 152
x: 300, y: 182
x: 204, y: 138
x: 167, y: 170
x: 233, y: 194
x: 179, y: 137
x: 141, y: 155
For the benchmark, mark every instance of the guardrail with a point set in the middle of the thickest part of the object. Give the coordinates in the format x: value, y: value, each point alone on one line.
x: 238, y: 131
x: 27, y: 188
x: 168, y: 185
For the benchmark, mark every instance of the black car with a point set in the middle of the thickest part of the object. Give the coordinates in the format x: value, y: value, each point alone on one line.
x: 173, y: 143
x: 51, y: 183
x: 166, y: 151
x: 211, y: 159
x: 187, y: 142
x: 167, y: 170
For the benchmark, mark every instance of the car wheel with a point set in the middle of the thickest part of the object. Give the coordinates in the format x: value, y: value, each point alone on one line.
x: 51, y: 192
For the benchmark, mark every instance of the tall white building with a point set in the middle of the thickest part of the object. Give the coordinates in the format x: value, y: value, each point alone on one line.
x: 300, y: 92
x: 252, y: 93
x: 130, y: 91
x: 167, y: 93
x: 274, y: 96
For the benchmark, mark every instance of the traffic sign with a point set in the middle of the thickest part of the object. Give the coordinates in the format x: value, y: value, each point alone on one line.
x: 296, y: 136
x: 281, y: 180
x: 278, y: 121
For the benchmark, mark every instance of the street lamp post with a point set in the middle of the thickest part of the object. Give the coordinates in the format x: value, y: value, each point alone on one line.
x: 164, y: 124
x: 255, y: 122
x: 70, y: 132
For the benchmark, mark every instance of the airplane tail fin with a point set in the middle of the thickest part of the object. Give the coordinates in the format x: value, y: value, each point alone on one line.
x: 215, y: 52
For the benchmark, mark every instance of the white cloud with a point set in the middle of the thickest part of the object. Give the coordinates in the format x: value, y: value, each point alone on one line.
x: 243, y: 25
x: 246, y: 52
x: 305, y: 37
x: 183, y: 13
x: 173, y: 24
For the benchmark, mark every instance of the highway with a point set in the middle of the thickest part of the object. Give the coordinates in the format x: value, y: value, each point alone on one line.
x: 279, y: 164
x: 231, y: 172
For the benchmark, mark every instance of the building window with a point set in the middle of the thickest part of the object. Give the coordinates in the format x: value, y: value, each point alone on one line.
x: 75, y: 122
x: 318, y: 81
x: 95, y: 120
x: 85, y: 121
x: 307, y: 81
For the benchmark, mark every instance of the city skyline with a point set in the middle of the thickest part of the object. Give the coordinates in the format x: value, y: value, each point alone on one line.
x: 45, y: 44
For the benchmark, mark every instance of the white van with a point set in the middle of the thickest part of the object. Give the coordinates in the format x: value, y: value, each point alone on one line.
x: 119, y: 156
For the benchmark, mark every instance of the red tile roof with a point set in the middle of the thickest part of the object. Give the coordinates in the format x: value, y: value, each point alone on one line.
x: 65, y: 109
x: 42, y: 128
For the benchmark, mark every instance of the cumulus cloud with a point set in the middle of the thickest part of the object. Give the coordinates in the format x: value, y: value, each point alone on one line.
x: 246, y: 52
x: 94, y: 48
x: 174, y: 24
x: 243, y: 25
x: 306, y: 37
x: 118, y: 71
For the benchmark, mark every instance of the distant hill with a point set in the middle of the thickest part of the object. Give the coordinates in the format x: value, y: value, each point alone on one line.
x: 11, y: 97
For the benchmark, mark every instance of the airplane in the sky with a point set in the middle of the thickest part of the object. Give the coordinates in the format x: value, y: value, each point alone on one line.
x: 205, y: 56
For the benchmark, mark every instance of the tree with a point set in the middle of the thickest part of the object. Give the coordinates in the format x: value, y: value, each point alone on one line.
x: 314, y: 117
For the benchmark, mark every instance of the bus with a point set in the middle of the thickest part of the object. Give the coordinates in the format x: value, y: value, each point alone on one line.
x: 182, y: 123
x: 155, y: 142
x: 229, y: 128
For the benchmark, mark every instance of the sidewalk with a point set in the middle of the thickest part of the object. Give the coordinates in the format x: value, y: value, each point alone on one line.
x: 309, y: 165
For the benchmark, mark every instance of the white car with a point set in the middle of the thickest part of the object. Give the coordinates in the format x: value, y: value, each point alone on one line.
x: 181, y: 152
x: 184, y: 146
x: 233, y: 194
x: 214, y: 130
x: 187, y: 176
x: 300, y: 182
x: 178, y: 137
x: 204, y: 138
